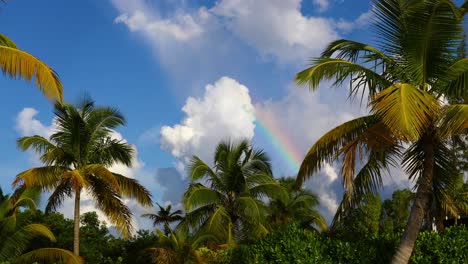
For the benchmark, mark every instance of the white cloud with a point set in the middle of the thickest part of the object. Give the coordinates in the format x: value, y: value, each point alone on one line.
x: 274, y: 28
x: 277, y: 27
x: 224, y: 112
x: 181, y: 27
x: 28, y: 125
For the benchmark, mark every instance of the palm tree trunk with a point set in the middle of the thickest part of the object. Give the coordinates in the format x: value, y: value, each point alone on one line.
x: 76, y: 218
x: 420, y: 204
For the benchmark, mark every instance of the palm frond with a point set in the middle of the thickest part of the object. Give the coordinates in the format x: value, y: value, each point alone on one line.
x: 436, y: 29
x: 63, y: 190
x: 17, y: 63
x: 110, y: 151
x: 454, y: 83
x: 329, y: 145
x: 252, y: 209
x: 46, y: 178
x: 133, y: 189
x: 454, y: 120
x: 198, y: 170
x: 270, y: 189
x: 406, y: 110
x: 5, y: 41
x: 359, y: 77
x: 217, y: 222
x: 198, y: 195
x: 108, y: 200
x: 49, y: 255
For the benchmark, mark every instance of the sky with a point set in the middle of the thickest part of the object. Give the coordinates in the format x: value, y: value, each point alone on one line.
x: 186, y: 75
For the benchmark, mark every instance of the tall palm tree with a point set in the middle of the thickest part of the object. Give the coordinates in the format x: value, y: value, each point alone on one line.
x: 228, y: 199
x: 15, y: 63
x: 297, y: 206
x: 165, y: 216
x: 17, y: 233
x: 417, y: 62
x: 77, y: 157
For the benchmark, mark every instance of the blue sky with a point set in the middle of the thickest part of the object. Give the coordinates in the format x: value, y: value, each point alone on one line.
x: 148, y: 57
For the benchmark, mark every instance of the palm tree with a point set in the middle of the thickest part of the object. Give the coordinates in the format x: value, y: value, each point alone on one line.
x: 77, y: 158
x: 228, y: 199
x: 17, y: 233
x: 179, y: 247
x: 298, y: 206
x: 18, y: 63
x: 418, y: 61
x: 165, y: 216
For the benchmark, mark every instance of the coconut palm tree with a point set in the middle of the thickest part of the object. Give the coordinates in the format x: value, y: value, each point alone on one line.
x: 179, y: 247
x: 417, y: 62
x: 165, y: 216
x: 228, y: 199
x: 77, y: 158
x: 17, y: 233
x: 15, y: 63
x: 297, y: 206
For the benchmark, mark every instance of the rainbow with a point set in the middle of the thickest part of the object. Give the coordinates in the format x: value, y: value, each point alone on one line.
x: 268, y: 126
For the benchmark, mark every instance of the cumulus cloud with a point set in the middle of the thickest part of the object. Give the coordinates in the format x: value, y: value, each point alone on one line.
x: 181, y: 27
x: 277, y: 27
x: 27, y: 124
x: 225, y: 111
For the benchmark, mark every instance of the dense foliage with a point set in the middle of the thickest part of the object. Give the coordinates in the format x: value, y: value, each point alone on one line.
x: 292, y: 244
x: 415, y: 79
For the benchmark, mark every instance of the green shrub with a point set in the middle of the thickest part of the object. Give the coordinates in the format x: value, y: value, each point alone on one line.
x: 292, y: 244
x: 450, y: 246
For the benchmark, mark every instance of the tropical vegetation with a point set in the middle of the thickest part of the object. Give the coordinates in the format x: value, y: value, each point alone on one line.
x: 231, y: 205
x: 235, y: 210
x: 416, y: 64
x: 17, y: 233
x: 77, y: 158
x: 165, y: 216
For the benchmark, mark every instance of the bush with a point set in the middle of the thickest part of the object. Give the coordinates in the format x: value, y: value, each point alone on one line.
x: 450, y: 246
x: 289, y: 245
x: 292, y: 244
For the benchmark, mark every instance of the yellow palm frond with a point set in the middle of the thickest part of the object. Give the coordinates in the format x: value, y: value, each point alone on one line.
x: 406, y: 110
x: 18, y: 63
x: 100, y: 171
x: 131, y: 188
x: 76, y: 178
x: 46, y: 178
x: 48, y: 255
x: 40, y: 230
x: 327, y: 148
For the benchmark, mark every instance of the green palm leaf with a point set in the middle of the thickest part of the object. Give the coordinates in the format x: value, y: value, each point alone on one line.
x: 405, y: 110
x: 454, y: 120
x: 341, y: 71
x: 198, y: 195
